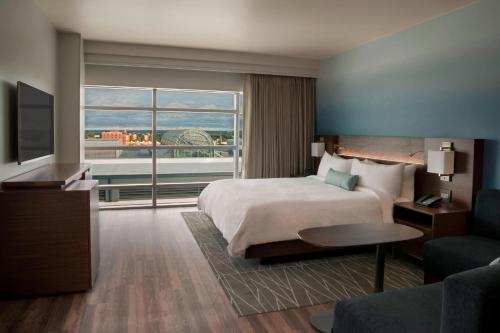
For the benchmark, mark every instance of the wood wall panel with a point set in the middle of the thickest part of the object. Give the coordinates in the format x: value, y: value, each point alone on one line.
x: 465, y: 182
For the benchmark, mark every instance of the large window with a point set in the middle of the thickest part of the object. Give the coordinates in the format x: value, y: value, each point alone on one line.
x: 160, y: 146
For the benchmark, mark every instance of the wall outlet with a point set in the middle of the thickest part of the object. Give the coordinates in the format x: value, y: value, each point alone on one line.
x: 446, y: 195
x: 445, y: 178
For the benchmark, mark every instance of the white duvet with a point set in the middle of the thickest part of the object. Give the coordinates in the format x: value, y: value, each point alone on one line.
x: 256, y: 211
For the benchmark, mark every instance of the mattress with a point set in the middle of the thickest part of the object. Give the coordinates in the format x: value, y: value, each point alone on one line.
x: 258, y: 211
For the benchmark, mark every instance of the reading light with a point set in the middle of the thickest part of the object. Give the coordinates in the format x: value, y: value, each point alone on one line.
x: 317, y: 149
x: 415, y: 153
x: 442, y: 161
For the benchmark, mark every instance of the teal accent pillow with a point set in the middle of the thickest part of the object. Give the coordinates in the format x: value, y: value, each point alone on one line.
x: 341, y: 179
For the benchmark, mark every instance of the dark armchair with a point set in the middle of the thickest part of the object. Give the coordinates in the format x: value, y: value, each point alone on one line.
x: 450, y: 255
x: 466, y: 302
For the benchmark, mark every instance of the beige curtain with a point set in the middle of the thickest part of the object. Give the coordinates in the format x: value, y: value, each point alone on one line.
x: 278, y: 125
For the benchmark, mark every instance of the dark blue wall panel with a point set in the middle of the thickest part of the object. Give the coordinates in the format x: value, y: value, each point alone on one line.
x: 438, y: 79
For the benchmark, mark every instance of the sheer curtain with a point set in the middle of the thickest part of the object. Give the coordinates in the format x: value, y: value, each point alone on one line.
x: 278, y: 125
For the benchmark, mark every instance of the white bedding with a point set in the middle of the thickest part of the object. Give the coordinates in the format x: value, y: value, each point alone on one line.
x: 257, y: 211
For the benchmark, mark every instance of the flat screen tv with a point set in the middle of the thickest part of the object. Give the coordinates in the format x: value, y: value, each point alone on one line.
x: 35, y: 123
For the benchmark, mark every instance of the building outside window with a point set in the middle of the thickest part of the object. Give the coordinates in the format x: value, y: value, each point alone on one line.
x: 151, y: 146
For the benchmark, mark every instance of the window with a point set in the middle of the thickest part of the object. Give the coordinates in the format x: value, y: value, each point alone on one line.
x: 160, y: 146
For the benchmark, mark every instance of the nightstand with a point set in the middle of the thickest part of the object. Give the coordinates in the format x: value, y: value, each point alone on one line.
x: 447, y: 220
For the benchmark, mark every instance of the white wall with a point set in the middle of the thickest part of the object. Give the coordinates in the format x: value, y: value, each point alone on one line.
x: 27, y: 53
x: 70, y: 81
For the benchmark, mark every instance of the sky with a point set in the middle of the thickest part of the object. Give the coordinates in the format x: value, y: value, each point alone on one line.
x: 165, y: 120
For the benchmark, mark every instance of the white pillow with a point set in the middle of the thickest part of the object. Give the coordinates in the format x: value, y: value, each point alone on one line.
x: 334, y: 162
x: 495, y: 262
x: 408, y: 187
x: 324, y: 165
x: 341, y: 164
x: 380, y: 177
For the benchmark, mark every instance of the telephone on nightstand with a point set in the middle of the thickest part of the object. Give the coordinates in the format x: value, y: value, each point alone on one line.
x: 429, y: 201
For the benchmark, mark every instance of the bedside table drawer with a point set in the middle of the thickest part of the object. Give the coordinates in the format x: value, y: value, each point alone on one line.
x: 412, y: 218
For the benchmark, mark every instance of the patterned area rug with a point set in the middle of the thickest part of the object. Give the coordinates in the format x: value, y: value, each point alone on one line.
x: 253, y: 288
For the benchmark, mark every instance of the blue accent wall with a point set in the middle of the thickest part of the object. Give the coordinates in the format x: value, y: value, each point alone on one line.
x: 440, y: 78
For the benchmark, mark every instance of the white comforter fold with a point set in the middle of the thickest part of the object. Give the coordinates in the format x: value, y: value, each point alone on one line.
x: 256, y: 211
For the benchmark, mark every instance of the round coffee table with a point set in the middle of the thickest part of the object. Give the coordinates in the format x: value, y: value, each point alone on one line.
x: 351, y: 235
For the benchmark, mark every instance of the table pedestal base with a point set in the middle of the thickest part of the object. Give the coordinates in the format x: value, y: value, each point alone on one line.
x: 323, y: 321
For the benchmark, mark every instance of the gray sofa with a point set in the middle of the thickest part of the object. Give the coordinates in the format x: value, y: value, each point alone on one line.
x: 466, y: 302
x: 450, y: 255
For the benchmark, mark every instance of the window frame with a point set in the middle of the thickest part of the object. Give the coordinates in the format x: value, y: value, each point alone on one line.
x: 237, y: 112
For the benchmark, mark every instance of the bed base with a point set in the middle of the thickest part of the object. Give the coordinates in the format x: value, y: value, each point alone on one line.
x: 293, y: 250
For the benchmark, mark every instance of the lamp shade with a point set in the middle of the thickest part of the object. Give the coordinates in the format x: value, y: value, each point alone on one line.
x: 441, y: 162
x: 317, y: 149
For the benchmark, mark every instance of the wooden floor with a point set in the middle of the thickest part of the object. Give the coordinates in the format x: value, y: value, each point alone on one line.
x: 152, y: 278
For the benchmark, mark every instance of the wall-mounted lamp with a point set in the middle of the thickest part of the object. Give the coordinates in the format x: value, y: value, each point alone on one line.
x: 338, y: 149
x: 442, y: 161
x: 415, y: 153
x: 317, y: 149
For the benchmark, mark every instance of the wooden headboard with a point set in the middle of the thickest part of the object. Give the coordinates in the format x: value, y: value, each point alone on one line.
x: 466, y: 180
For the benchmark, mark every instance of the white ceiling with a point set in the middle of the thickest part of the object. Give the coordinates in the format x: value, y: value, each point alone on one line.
x: 315, y: 29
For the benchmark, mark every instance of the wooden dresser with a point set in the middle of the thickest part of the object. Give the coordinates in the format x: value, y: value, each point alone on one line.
x: 49, y: 231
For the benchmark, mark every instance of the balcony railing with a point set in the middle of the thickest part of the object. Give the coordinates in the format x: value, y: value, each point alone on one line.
x: 179, y: 180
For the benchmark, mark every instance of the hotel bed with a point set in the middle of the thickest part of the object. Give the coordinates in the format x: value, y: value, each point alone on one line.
x: 261, y: 217
x: 260, y: 211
